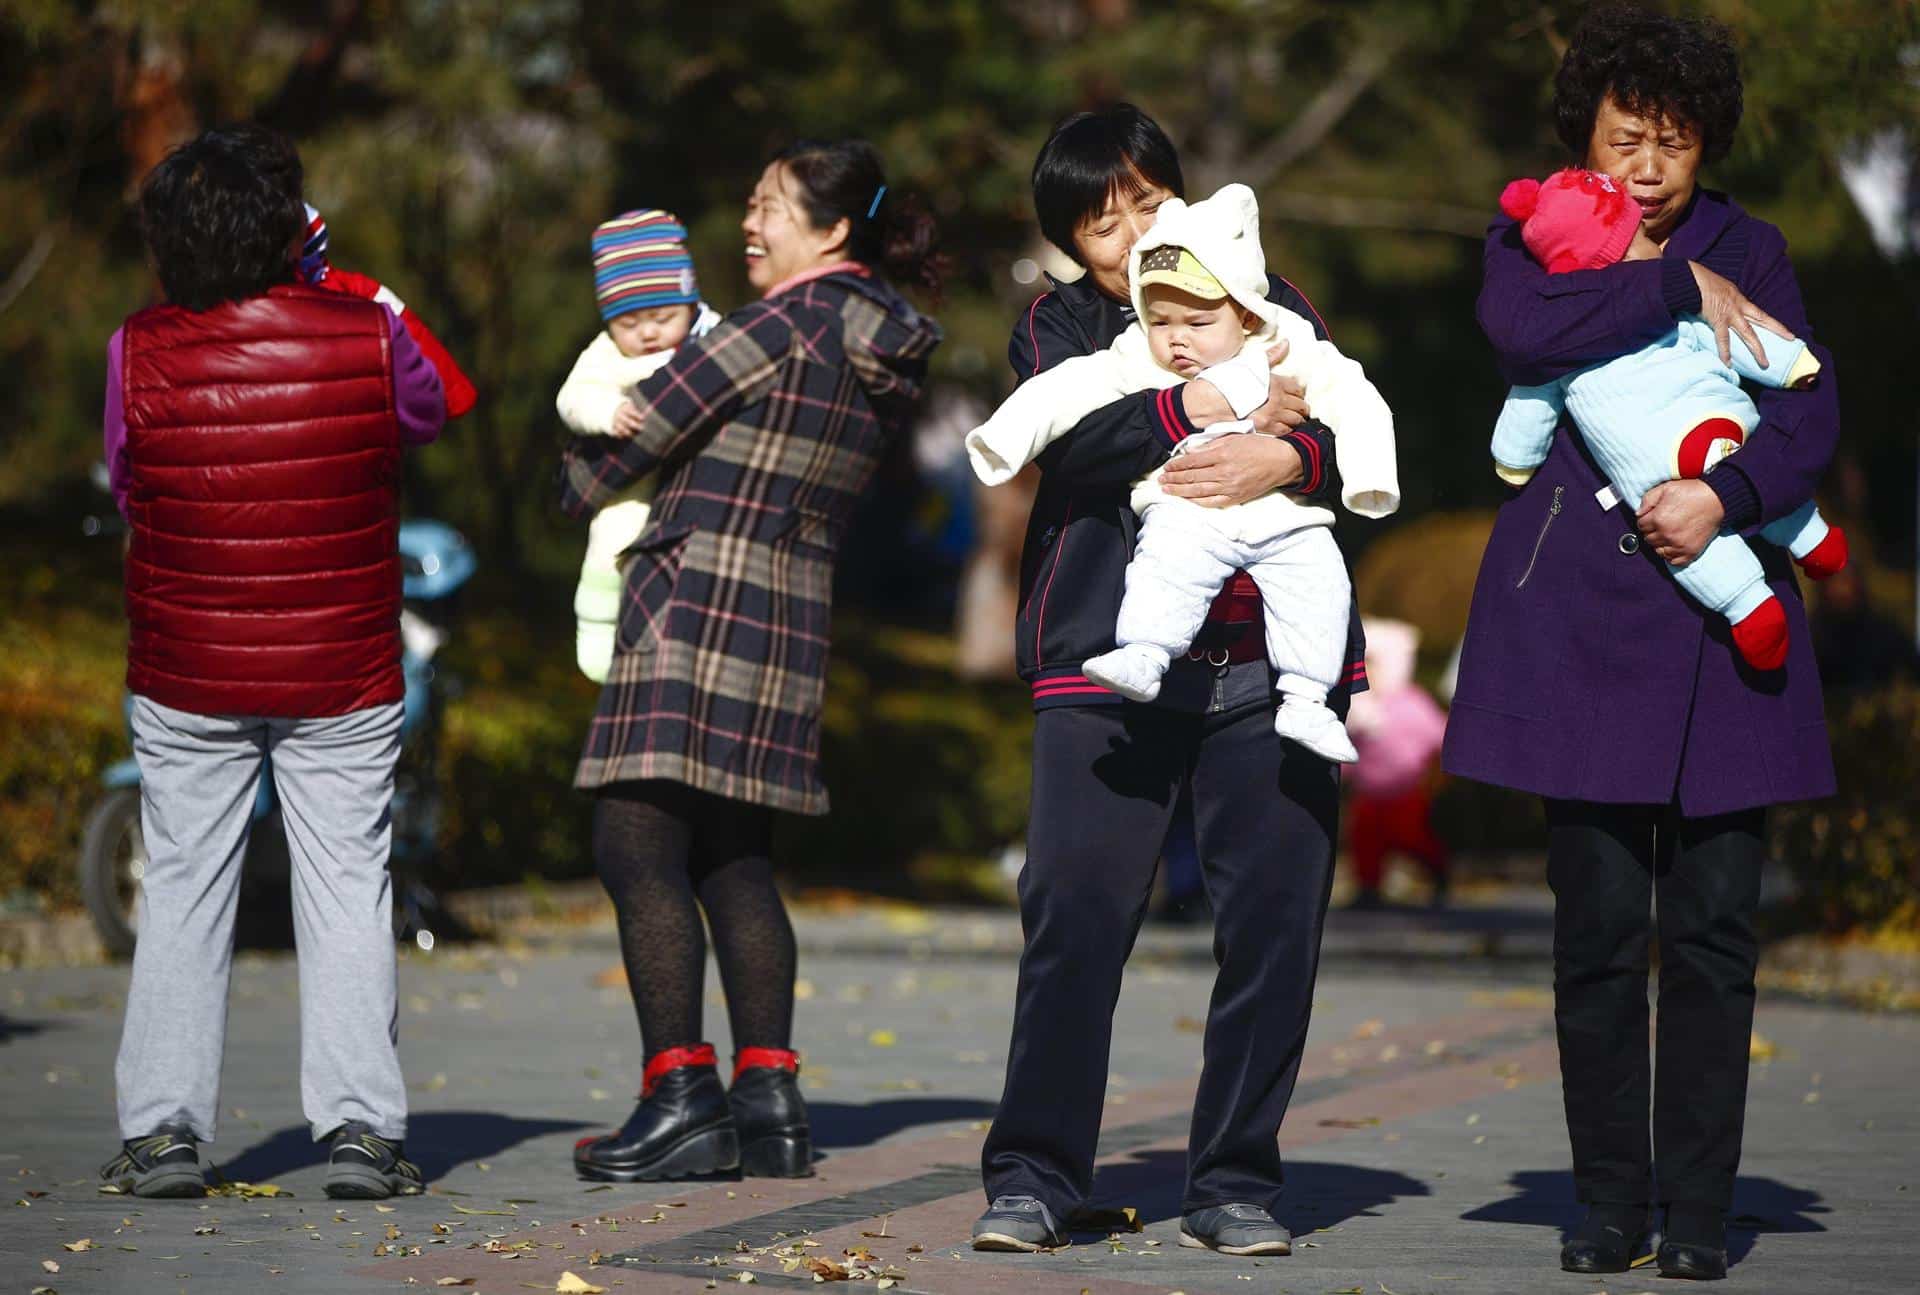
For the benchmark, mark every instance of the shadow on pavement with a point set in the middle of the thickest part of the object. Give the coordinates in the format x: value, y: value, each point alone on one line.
x: 1545, y: 1197
x: 841, y: 1126
x: 12, y: 1028
x: 1319, y: 1194
x: 436, y: 1141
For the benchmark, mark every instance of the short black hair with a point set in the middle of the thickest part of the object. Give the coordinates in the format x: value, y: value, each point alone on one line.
x: 1684, y: 70
x: 220, y: 215
x: 1093, y: 155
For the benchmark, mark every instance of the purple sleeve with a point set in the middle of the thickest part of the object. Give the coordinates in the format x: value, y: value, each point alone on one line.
x: 113, y: 421
x: 419, y: 401
x: 1789, y: 451
x: 1545, y: 326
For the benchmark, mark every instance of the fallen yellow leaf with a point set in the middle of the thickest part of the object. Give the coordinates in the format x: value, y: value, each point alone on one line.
x: 246, y: 1191
x: 84, y: 1243
x: 454, y: 1281
x: 461, y: 1209
x: 49, y: 1265
x: 572, y: 1284
x: 882, y: 1038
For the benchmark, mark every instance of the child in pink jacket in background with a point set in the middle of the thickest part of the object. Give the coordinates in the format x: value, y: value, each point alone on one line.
x: 1397, y: 728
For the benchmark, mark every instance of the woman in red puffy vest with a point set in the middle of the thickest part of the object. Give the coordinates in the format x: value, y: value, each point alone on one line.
x: 253, y: 435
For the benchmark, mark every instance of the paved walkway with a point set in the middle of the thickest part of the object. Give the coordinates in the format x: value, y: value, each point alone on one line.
x: 1425, y: 1143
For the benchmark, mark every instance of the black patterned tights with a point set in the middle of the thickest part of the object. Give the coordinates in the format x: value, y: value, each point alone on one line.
x: 665, y: 852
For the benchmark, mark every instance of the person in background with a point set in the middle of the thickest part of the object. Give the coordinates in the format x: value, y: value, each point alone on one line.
x: 1859, y: 649
x: 1398, y: 728
x: 254, y: 426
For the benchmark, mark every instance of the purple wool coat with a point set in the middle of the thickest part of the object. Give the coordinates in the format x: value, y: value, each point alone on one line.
x: 1586, y: 673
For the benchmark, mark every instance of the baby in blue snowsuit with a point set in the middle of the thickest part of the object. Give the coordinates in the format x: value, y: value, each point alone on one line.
x: 1669, y: 411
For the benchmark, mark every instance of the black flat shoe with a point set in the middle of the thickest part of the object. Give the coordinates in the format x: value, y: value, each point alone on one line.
x: 682, y: 1127
x: 1607, y: 1241
x: 770, y: 1116
x: 1694, y: 1245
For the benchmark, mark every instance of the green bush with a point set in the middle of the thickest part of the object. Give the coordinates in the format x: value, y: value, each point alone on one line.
x: 922, y: 766
x: 60, y: 685
x: 1856, y: 855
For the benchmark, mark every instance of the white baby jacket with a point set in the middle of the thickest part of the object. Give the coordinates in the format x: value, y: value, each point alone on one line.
x: 1223, y: 233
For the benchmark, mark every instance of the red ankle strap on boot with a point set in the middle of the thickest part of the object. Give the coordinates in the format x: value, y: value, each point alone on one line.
x: 767, y: 1058
x: 661, y: 1063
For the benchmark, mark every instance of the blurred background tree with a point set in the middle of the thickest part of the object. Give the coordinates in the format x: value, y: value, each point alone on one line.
x: 462, y: 150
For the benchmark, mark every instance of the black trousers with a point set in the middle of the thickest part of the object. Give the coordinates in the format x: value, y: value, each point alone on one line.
x: 1105, y: 783
x: 1606, y: 863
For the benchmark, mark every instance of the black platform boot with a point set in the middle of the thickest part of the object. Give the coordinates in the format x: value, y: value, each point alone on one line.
x: 1694, y: 1243
x: 770, y: 1115
x: 1608, y: 1241
x: 682, y: 1127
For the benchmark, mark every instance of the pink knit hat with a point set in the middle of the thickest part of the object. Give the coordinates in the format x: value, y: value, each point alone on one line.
x: 1577, y: 220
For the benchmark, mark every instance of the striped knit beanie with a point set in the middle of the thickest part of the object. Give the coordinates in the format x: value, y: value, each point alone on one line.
x: 640, y: 261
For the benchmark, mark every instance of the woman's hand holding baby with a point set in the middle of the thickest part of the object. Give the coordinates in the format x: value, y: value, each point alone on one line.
x: 1233, y: 470
x: 1728, y: 310
x: 1678, y: 518
x: 627, y: 419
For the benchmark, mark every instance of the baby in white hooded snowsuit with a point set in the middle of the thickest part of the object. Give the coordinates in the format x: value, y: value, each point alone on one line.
x: 1199, y: 286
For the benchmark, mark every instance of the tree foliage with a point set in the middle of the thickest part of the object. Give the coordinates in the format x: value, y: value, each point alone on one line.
x: 463, y: 149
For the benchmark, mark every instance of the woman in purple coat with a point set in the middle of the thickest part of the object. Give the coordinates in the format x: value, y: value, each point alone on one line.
x: 1590, y: 679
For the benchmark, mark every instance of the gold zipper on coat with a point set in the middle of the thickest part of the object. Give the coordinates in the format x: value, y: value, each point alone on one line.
x: 1552, y: 512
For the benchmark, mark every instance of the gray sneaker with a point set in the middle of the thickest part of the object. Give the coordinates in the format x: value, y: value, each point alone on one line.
x: 1235, y: 1230
x: 165, y: 1163
x: 366, y: 1167
x: 1017, y: 1223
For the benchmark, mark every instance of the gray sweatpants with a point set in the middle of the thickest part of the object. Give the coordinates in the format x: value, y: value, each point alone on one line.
x: 199, y: 775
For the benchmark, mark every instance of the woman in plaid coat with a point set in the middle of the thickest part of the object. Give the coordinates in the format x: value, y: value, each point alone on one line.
x: 764, y: 434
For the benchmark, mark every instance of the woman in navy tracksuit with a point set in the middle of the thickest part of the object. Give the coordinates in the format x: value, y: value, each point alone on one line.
x: 1108, y: 773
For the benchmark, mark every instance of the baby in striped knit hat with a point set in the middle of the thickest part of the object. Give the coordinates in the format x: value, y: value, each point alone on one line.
x: 643, y: 279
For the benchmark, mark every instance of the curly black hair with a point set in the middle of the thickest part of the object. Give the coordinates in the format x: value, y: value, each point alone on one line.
x: 221, y: 213
x: 1683, y: 70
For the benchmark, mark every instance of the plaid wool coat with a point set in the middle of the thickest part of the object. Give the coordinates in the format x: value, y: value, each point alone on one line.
x: 764, y: 433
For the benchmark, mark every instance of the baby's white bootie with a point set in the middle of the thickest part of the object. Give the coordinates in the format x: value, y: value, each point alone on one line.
x: 1133, y: 671
x: 1313, y: 726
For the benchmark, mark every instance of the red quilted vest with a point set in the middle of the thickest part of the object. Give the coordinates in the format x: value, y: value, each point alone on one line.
x: 263, y: 576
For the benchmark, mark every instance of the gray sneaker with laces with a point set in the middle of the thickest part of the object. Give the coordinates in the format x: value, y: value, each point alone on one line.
x: 364, y: 1166
x: 1017, y: 1223
x: 164, y: 1163
x: 1235, y: 1230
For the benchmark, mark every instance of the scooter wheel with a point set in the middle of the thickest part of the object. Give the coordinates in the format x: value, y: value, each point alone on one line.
x: 113, y: 860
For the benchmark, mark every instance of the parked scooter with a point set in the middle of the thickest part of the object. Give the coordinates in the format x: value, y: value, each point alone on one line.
x: 435, y: 562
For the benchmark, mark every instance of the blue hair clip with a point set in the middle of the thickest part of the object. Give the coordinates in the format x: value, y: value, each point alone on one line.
x: 874, y: 206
